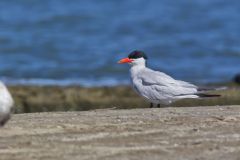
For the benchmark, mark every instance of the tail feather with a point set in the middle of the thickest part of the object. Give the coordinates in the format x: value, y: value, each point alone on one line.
x: 203, y: 95
x: 204, y: 89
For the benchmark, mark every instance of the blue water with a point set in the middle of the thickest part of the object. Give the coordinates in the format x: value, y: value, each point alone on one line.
x: 79, y: 42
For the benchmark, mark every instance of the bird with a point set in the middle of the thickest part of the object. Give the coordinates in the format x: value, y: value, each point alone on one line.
x: 6, y: 104
x: 157, y: 87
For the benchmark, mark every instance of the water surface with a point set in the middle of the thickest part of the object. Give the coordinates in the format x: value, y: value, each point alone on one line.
x: 79, y: 42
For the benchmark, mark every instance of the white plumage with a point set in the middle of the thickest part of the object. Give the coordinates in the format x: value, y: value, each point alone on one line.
x: 6, y: 103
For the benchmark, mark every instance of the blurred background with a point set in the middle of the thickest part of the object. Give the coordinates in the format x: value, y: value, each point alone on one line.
x: 60, y: 55
x: 64, y: 42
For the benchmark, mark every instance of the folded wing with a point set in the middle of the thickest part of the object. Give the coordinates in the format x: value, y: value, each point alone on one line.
x: 163, y: 84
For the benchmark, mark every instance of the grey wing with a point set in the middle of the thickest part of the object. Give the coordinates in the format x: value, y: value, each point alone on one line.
x: 163, y: 84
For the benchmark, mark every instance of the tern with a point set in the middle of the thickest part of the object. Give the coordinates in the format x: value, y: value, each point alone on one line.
x: 157, y: 87
x: 6, y: 104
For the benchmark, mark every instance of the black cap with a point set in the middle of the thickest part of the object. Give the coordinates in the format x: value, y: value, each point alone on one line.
x: 137, y: 54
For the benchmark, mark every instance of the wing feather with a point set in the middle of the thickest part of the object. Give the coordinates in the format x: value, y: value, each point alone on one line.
x: 163, y: 84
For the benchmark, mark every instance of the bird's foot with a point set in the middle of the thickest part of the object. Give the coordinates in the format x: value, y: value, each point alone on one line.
x: 151, y: 105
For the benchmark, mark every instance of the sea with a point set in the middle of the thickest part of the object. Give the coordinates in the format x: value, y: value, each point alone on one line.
x: 78, y: 42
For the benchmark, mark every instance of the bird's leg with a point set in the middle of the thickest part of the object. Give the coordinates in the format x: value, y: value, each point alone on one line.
x: 158, y: 105
x: 151, y: 105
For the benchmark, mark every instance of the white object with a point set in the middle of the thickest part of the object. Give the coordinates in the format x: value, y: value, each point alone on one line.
x: 6, y: 103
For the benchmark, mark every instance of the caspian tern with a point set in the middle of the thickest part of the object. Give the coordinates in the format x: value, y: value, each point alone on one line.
x: 158, y: 87
x: 6, y: 103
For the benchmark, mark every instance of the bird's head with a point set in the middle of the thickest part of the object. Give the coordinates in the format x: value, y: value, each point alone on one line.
x: 135, y: 58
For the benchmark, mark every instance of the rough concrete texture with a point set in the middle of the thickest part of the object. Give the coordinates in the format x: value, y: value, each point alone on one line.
x: 166, y: 133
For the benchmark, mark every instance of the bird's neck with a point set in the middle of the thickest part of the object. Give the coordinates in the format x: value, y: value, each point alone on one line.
x: 136, y: 69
